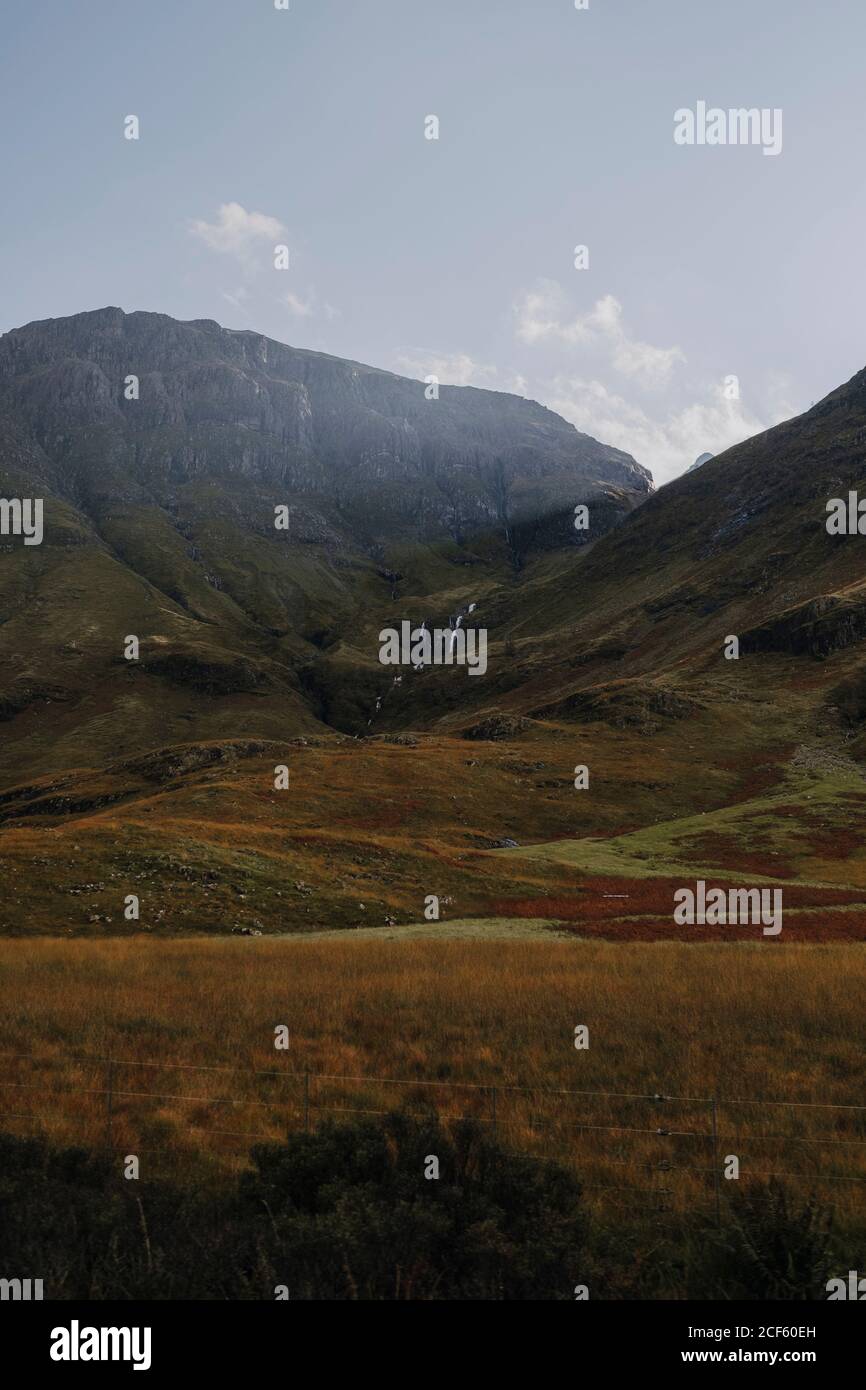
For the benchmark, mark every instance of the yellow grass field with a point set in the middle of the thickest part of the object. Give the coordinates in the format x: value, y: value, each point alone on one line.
x: 194, y: 1077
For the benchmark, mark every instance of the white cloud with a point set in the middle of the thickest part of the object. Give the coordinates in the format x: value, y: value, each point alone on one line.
x: 237, y: 232
x: 664, y: 420
x: 669, y: 443
x: 451, y: 369
x: 302, y: 308
x: 307, y: 305
x: 236, y: 298
x: 542, y: 316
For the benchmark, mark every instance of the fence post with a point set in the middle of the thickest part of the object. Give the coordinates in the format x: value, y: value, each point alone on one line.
x: 108, y: 1099
x: 716, y: 1173
x: 306, y: 1101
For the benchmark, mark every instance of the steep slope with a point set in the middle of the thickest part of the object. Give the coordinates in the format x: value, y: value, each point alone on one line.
x: 606, y: 650
x: 160, y: 516
x: 212, y: 403
x: 739, y: 547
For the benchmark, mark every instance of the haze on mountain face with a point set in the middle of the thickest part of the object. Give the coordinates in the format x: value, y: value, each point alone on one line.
x: 246, y: 503
x: 456, y: 256
x: 179, y: 401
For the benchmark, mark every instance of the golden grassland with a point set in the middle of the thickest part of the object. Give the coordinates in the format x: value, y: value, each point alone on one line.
x: 742, y: 1023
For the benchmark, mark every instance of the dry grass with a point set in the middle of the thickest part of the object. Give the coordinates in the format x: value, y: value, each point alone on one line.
x: 736, y: 1021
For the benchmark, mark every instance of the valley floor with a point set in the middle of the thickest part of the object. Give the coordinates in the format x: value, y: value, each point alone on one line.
x: 367, y: 831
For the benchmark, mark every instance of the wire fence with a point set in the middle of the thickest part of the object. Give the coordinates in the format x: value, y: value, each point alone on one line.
x: 667, y: 1152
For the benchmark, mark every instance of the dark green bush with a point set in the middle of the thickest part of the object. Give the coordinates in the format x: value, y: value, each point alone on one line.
x: 343, y: 1213
x: 346, y: 1212
x: 772, y: 1246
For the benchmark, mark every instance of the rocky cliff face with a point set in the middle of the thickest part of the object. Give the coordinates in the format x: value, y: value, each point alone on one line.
x: 159, y: 521
x: 214, y: 403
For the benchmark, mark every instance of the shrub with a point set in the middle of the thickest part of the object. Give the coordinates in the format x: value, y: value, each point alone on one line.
x: 774, y: 1246
x: 356, y: 1217
x: 343, y: 1213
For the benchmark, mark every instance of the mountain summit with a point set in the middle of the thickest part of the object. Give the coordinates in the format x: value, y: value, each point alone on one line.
x: 138, y: 406
x: 166, y: 453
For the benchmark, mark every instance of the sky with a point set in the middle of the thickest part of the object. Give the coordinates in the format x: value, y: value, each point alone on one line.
x: 722, y: 287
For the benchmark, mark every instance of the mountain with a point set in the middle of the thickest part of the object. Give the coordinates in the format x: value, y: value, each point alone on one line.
x: 160, y: 516
x: 259, y: 648
x: 699, y: 462
x: 367, y: 447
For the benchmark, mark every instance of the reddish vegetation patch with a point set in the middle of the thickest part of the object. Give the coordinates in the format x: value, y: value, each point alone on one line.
x: 627, y: 896
x: 659, y: 930
x: 601, y: 897
x: 642, y: 910
x: 826, y: 926
x: 832, y: 844
x: 761, y: 779
x: 804, y: 927
x: 728, y: 854
x: 610, y: 834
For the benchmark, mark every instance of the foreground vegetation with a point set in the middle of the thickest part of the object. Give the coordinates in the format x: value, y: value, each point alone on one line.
x: 166, y: 1050
x: 355, y: 1212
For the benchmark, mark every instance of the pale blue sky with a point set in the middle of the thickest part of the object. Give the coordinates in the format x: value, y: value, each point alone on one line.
x: 457, y: 255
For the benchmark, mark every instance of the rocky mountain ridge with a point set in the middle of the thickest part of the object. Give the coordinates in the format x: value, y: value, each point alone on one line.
x: 214, y: 403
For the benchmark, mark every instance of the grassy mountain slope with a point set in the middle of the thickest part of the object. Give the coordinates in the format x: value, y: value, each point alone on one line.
x: 259, y: 649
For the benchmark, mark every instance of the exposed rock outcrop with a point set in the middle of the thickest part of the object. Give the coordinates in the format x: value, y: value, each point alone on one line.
x: 214, y: 403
